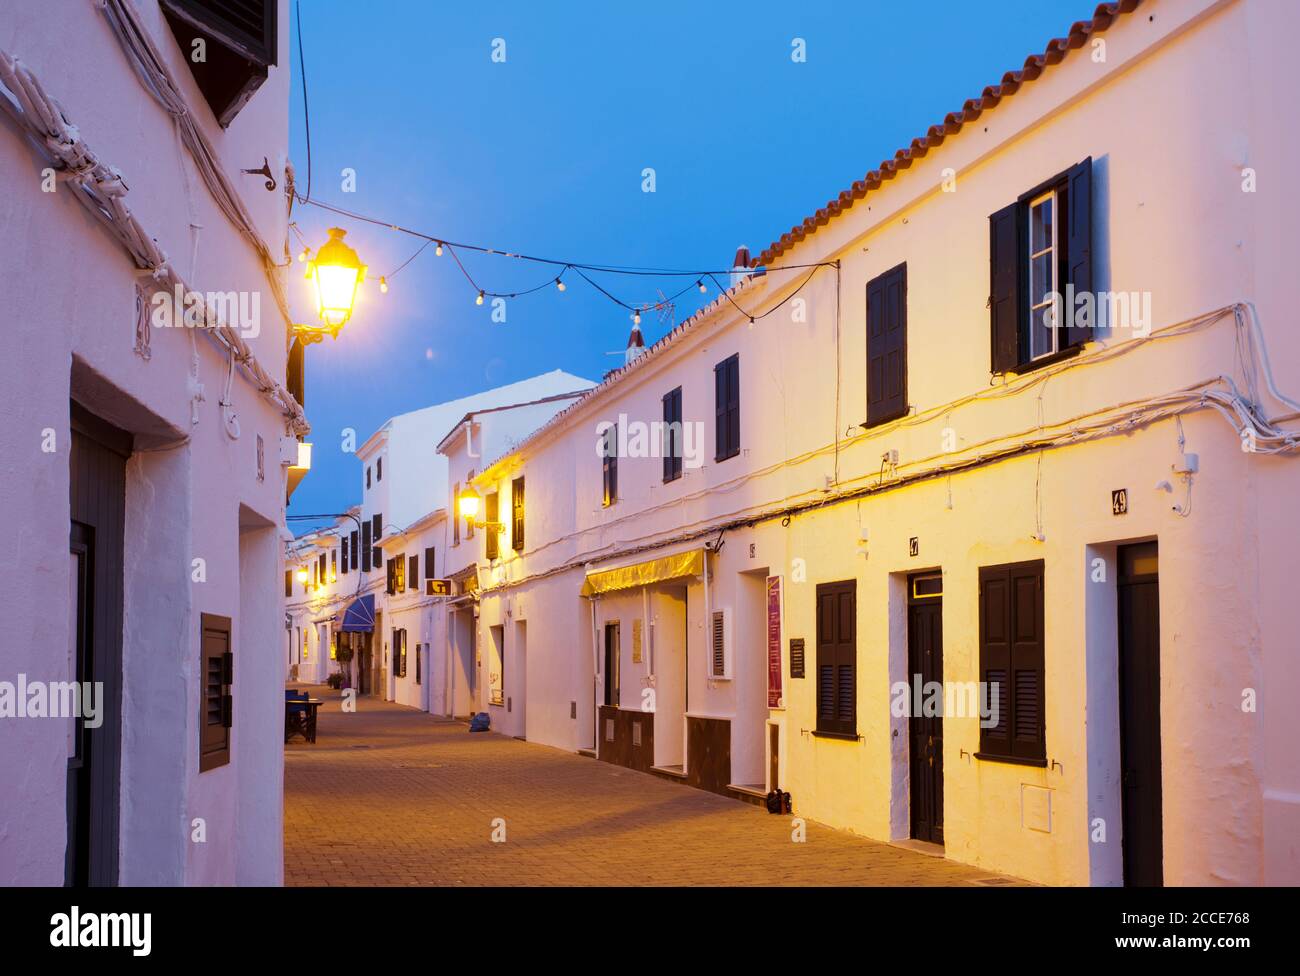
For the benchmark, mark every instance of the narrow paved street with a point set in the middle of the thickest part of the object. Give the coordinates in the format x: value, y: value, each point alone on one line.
x: 391, y: 796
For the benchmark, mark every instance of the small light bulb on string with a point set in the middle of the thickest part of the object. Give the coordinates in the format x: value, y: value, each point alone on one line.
x: 702, y: 287
x: 438, y: 250
x: 559, y: 284
x: 304, y: 254
x: 383, y: 284
x: 479, y: 300
x: 636, y: 318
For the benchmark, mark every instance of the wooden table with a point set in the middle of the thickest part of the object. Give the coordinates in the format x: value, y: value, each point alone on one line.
x: 301, y: 722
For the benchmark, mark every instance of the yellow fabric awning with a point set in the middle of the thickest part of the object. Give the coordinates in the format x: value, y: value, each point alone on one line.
x: 643, y: 574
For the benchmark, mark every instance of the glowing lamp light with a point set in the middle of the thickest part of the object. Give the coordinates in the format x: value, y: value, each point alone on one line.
x: 302, y: 575
x: 468, y: 505
x: 335, y: 273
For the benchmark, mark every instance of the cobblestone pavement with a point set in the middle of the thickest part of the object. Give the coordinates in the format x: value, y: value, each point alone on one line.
x: 389, y: 795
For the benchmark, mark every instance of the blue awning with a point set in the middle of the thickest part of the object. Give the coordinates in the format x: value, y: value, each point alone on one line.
x: 359, y: 617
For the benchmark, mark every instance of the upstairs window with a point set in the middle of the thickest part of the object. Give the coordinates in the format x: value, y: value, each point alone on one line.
x: 491, y: 513
x: 517, y: 515
x: 1040, y: 260
x: 379, y: 469
x: 726, y: 393
x: 672, y: 435
x: 376, y: 532
x: 887, y: 346
x: 455, y: 514
x: 609, y: 466
x: 228, y: 45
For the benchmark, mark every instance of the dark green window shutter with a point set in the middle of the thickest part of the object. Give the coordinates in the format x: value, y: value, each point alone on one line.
x: 887, y: 346
x: 1004, y: 287
x: 1078, y: 243
x: 492, y: 536
x: 517, y: 515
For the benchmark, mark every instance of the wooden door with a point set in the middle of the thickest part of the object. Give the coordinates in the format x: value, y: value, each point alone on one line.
x: 1139, y: 713
x: 97, y: 470
x: 925, y: 732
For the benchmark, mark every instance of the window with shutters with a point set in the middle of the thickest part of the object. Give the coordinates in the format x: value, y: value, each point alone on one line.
x: 609, y: 466
x: 726, y: 398
x: 288, y: 583
x: 294, y: 376
x: 887, y: 346
x: 413, y: 572
x: 419, y: 655
x: 368, y: 470
x: 324, y: 568
x: 455, y: 514
x: 1011, y: 649
x: 837, y: 659
x: 239, y: 39
x: 366, y: 548
x: 217, y: 671
x: 492, y: 537
x: 379, y: 469
x: 517, y: 515
x: 376, y: 531
x: 343, y: 560
x: 399, y: 652
x: 672, y: 434
x: 719, y: 649
x: 469, y: 526
x: 334, y: 565
x: 430, y: 567
x: 1040, y: 258
x: 355, y: 550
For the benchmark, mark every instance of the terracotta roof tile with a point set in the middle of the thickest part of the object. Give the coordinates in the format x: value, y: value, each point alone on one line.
x: 1080, y: 31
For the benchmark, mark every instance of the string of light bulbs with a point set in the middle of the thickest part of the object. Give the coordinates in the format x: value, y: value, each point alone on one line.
x: 582, y: 268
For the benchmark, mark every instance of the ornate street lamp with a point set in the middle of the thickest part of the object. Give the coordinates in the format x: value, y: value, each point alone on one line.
x: 468, y: 505
x: 335, y: 273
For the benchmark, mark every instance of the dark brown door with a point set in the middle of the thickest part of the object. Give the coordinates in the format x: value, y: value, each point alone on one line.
x: 611, y: 664
x: 1139, y: 714
x: 98, y: 504
x: 925, y: 732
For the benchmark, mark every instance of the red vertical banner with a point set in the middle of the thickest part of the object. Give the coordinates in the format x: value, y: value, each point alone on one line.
x: 774, y: 699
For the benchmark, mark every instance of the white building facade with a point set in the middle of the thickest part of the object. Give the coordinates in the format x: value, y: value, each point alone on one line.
x: 899, y: 479
x: 143, y: 457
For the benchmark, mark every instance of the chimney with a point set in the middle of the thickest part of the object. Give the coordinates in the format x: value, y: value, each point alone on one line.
x: 635, y: 345
x: 740, y: 269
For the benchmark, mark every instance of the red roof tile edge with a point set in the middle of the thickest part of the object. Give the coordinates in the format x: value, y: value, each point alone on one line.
x: 1080, y: 31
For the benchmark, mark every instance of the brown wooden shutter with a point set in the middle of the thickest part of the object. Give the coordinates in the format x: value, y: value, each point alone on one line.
x: 355, y: 551
x: 1005, y: 311
x: 343, y: 555
x: 376, y: 533
x: 430, y: 566
x: 217, y: 710
x: 413, y: 573
x: 1012, y: 661
x: 726, y: 394
x: 492, y: 510
x: 1078, y: 243
x: 672, y: 412
x: 366, y: 548
x: 288, y: 583
x: 517, y: 515
x: 887, y: 346
x: 837, y: 657
x: 718, y: 645
x: 295, y: 380
x: 324, y: 569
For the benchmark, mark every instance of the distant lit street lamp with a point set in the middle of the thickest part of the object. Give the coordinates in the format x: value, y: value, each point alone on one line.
x: 335, y: 273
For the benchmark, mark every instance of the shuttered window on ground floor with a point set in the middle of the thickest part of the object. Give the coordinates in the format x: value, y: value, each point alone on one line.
x: 837, y: 685
x: 1012, y: 662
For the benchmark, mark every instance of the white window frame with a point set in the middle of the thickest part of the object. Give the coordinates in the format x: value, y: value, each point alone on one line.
x: 1054, y: 265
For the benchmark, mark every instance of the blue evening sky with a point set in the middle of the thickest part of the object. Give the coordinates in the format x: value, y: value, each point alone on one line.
x: 544, y: 154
